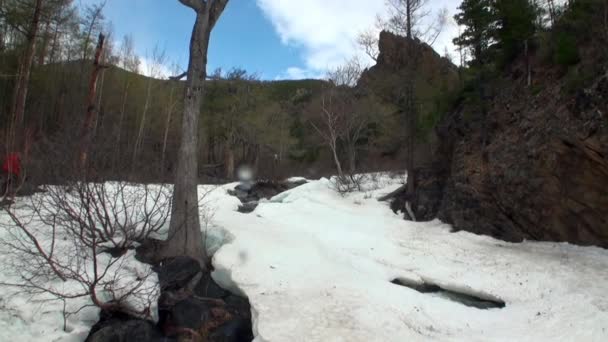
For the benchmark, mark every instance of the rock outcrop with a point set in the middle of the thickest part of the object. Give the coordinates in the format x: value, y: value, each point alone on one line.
x: 434, y: 77
x: 251, y: 194
x: 396, y: 55
x: 535, y: 167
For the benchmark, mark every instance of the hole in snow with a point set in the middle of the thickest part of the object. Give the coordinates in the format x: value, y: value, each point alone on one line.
x: 480, y: 301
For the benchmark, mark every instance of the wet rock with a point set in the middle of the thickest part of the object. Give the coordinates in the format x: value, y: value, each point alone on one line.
x: 247, y: 208
x: 208, y: 288
x: 220, y: 320
x: 148, y: 251
x: 251, y: 193
x: 120, y: 327
x: 176, y: 273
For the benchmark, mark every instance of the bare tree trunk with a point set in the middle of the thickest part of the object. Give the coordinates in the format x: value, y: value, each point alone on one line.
x: 229, y: 161
x: 552, y: 13
x: 87, y: 127
x: 95, y: 16
x: 605, y: 22
x: 185, y: 236
x: 25, y: 69
x: 121, y: 120
x: 99, y: 118
x: 167, y: 124
x: 352, y: 157
x: 528, y: 66
x: 142, y: 122
x: 334, y: 151
x: 46, y: 38
x: 411, y: 111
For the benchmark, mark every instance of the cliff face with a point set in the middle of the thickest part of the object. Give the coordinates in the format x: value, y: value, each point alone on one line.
x: 396, y: 54
x: 535, y: 167
x: 433, y: 75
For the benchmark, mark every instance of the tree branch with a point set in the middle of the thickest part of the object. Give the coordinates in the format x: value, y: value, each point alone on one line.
x: 178, y: 77
x: 197, y: 5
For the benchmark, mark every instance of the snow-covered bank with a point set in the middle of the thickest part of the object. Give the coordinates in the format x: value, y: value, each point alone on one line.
x: 317, y: 267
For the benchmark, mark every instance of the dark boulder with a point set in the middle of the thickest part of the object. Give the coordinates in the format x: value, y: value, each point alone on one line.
x: 176, y: 273
x: 120, y: 327
x: 251, y: 194
x: 148, y: 251
x: 208, y: 288
x: 191, y: 304
x: 220, y: 320
x: 247, y: 208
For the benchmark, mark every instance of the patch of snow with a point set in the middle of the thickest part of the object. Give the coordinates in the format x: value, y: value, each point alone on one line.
x: 317, y: 266
x: 26, y: 317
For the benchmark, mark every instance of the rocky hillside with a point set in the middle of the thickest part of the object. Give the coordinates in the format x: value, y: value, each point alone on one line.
x: 536, y: 166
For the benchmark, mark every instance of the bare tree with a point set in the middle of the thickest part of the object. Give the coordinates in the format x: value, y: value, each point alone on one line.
x: 23, y: 74
x: 91, y: 24
x: 169, y: 115
x: 185, y: 237
x: 130, y: 62
x: 414, y: 19
x: 154, y: 67
x: 340, y: 120
x: 90, y: 118
x: 368, y: 41
x: 331, y: 117
x: 410, y: 18
x: 71, y: 242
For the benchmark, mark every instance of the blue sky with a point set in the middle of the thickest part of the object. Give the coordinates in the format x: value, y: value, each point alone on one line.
x: 273, y: 38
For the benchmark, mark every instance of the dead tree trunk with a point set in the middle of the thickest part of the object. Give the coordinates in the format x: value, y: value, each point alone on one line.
x: 229, y: 161
x: 411, y: 112
x: 23, y: 77
x: 170, y: 109
x: 87, y: 127
x: 142, y: 123
x: 185, y: 237
x: 528, y: 66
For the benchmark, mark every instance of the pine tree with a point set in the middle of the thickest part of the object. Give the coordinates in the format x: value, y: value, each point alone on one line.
x: 516, y: 24
x: 478, y: 19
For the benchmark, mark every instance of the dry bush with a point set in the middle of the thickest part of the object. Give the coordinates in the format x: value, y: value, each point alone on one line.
x: 73, y: 241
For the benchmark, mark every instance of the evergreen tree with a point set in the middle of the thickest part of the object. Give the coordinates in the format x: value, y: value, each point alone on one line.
x: 478, y: 19
x: 516, y: 24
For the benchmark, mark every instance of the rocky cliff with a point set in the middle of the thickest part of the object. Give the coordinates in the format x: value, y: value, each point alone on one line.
x: 535, y: 167
x: 434, y: 77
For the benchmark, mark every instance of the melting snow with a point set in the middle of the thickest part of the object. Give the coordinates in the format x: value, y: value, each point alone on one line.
x: 317, y: 266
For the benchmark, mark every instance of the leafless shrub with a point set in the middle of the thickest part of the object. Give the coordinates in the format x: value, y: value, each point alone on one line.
x: 71, y: 242
x: 348, y: 183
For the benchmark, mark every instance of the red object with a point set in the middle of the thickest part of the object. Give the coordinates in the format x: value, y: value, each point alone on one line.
x: 12, y: 164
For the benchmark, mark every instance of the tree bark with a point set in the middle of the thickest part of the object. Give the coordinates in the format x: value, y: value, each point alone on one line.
x: 142, y: 123
x: 87, y: 127
x: 25, y: 68
x: 528, y: 65
x: 334, y: 151
x: 229, y: 161
x: 411, y: 111
x: 185, y: 236
x: 170, y: 108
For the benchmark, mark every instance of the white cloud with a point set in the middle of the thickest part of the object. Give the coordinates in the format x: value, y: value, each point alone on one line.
x: 295, y: 73
x: 327, y: 29
x: 149, y: 67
